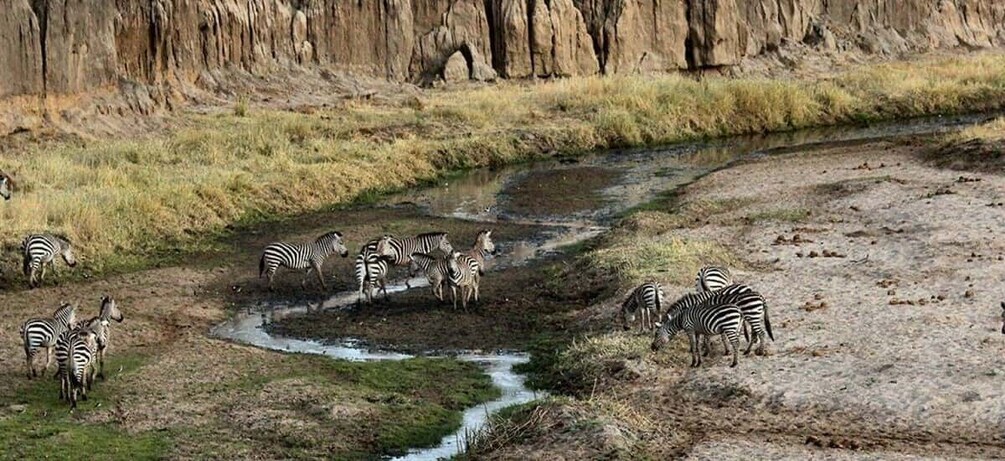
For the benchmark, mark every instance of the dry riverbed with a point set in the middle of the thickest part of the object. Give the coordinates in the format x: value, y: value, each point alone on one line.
x: 883, y: 273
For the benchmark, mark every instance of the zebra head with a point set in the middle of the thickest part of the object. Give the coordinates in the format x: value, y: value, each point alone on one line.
x: 664, y: 334
x: 66, y: 251
x: 332, y: 242
x: 110, y: 310
x: 484, y: 242
x: 5, y: 185
x: 386, y: 248
x: 445, y: 245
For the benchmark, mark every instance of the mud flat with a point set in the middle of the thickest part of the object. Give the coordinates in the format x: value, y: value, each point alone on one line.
x: 883, y: 277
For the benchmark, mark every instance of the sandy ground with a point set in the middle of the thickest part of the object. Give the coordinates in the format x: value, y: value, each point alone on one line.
x: 892, y: 349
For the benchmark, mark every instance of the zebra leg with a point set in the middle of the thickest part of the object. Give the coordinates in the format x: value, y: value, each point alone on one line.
x: 453, y: 295
x: 28, y: 361
x: 734, y: 342
x: 693, y: 347
x: 706, y: 347
x: 48, y: 360
x: 101, y: 361
x: 41, y: 276
x: 697, y: 357
x: 725, y: 346
x: 321, y: 277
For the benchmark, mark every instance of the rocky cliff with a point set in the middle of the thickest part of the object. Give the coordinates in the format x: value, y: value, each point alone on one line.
x: 66, y: 47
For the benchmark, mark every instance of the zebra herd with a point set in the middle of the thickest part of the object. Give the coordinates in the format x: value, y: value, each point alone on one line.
x: 430, y: 254
x: 79, y: 347
x: 719, y: 307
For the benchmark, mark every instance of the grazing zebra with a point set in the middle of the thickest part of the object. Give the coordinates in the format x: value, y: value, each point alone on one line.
x: 398, y: 251
x: 310, y: 256
x: 708, y: 318
x: 437, y: 271
x: 647, y: 300
x: 750, y: 303
x: 371, y: 271
x: 466, y: 269
x: 39, y: 251
x: 79, y: 372
x: 712, y: 278
x: 5, y: 185
x: 42, y: 333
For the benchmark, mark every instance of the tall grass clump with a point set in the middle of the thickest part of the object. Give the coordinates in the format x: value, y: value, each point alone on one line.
x: 126, y: 197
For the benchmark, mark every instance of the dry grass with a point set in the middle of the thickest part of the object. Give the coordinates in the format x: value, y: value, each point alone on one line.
x: 989, y: 131
x: 128, y: 197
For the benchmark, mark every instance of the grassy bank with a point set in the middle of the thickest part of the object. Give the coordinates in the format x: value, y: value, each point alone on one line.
x: 977, y: 148
x: 288, y: 406
x: 121, y: 198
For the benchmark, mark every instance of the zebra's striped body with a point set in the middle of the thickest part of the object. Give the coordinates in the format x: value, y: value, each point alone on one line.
x: 39, y: 251
x: 750, y: 303
x: 466, y: 269
x: 708, y: 318
x: 42, y: 333
x: 398, y: 251
x: 371, y: 271
x: 646, y: 301
x: 6, y: 185
x: 310, y: 256
x: 79, y: 374
x: 712, y: 278
x: 437, y: 271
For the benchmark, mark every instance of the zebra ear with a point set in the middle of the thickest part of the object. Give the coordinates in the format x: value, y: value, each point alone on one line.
x: 658, y: 324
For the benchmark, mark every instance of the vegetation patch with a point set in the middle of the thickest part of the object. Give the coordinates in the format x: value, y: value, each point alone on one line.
x: 978, y: 148
x: 147, y: 196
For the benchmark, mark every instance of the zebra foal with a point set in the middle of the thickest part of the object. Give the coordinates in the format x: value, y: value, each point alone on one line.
x: 39, y: 251
x: 371, y: 271
x: 708, y: 319
x: 42, y: 333
x: 467, y: 268
x: 310, y: 256
x: 436, y: 270
x: 644, y: 301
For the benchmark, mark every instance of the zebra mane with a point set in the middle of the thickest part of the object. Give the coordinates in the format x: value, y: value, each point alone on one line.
x: 62, y: 237
x: 329, y: 234
x: 431, y: 234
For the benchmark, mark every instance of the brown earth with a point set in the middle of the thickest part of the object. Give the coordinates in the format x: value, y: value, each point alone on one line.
x: 79, y: 64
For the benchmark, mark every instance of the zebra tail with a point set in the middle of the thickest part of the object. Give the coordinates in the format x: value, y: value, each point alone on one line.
x: 767, y: 322
x: 261, y: 266
x: 746, y: 334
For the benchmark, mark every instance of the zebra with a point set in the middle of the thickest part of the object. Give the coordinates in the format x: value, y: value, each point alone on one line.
x: 100, y: 325
x: 39, y: 333
x: 708, y: 318
x: 467, y: 268
x: 371, y: 271
x: 712, y: 278
x: 645, y: 299
x: 39, y: 251
x: 437, y: 271
x: 399, y: 251
x: 79, y: 369
x: 6, y: 185
x: 310, y: 256
x: 750, y: 302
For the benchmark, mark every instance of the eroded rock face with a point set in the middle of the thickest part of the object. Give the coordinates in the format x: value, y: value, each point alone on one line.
x: 56, y: 47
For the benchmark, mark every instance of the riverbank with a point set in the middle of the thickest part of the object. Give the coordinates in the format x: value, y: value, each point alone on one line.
x: 129, y: 203
x: 880, y: 268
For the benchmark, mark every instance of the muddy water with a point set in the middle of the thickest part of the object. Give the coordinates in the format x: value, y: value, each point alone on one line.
x: 584, y: 196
